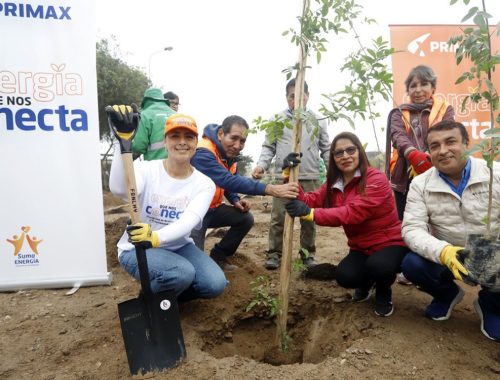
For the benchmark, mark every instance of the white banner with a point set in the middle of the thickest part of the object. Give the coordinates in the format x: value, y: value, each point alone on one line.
x: 51, y: 213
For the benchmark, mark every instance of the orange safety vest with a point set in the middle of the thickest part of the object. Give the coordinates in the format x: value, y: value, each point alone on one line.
x: 208, y: 144
x: 438, y: 111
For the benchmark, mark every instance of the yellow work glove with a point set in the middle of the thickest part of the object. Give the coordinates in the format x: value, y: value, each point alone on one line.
x: 291, y: 160
x: 309, y: 217
x: 300, y: 209
x: 412, y: 173
x: 141, y: 233
x: 286, y: 173
x: 448, y: 257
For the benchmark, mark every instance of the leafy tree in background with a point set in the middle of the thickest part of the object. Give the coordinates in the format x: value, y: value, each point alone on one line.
x: 117, y: 82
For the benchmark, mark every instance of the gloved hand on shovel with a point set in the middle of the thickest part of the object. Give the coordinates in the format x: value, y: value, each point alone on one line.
x: 141, y: 233
x: 449, y: 258
x: 123, y: 122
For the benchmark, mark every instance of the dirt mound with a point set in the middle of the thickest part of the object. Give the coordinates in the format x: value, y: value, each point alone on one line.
x: 46, y: 334
x: 110, y: 200
x: 114, y: 231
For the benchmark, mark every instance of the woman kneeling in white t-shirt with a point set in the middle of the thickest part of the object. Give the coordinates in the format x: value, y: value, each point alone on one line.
x: 173, y: 197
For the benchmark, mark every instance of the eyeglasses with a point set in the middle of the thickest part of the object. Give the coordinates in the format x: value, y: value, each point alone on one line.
x: 173, y: 103
x: 349, y: 150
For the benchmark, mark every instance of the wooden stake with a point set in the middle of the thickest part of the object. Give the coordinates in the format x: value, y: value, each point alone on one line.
x: 286, y: 259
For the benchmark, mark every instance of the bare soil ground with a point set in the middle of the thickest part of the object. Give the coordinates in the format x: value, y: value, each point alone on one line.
x: 46, y: 334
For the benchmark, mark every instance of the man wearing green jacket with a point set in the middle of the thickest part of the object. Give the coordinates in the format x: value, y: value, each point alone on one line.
x: 149, y: 137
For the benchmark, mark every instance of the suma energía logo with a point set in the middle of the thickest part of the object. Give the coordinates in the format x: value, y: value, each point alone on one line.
x: 23, y: 256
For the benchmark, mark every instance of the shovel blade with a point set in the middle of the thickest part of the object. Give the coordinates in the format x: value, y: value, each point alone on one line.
x: 152, y: 332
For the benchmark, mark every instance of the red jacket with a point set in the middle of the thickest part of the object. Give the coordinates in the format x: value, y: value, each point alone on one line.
x: 370, y: 221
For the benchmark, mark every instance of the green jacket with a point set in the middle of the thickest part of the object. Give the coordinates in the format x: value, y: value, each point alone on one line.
x: 149, y: 137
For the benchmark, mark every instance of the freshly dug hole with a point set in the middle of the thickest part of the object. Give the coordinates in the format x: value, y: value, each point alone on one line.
x: 314, y: 337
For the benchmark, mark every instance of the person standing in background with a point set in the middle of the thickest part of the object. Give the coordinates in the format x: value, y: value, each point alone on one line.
x: 407, y: 128
x: 172, y: 100
x: 148, y: 140
x: 309, y: 174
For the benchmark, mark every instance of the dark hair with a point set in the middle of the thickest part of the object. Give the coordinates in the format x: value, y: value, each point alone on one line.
x: 291, y: 83
x: 170, y: 95
x: 230, y: 121
x: 422, y: 72
x: 333, y: 173
x: 447, y: 125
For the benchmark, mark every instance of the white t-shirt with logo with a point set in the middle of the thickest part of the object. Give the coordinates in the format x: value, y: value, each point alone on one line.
x: 171, y: 206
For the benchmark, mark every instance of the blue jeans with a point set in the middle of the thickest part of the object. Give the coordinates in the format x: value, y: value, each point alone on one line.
x: 188, y: 272
x: 438, y: 281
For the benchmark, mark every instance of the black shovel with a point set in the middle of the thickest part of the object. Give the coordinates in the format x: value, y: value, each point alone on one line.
x: 150, y: 323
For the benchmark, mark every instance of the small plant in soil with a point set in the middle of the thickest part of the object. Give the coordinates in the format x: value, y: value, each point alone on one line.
x: 262, y: 297
x: 285, y: 343
x: 298, y: 263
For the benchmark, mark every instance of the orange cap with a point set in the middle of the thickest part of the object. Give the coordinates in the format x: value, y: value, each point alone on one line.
x: 178, y: 121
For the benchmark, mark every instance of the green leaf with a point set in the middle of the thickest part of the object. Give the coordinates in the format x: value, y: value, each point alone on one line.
x: 461, y: 78
x: 480, y: 21
x: 471, y: 13
x: 486, y: 156
x: 251, y: 305
x: 473, y: 150
x: 493, y: 132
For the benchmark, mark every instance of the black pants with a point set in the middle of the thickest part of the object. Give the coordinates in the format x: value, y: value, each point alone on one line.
x: 358, y: 270
x: 400, y: 199
x: 224, y: 216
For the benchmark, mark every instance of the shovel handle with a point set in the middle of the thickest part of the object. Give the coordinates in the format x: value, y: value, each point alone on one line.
x: 134, y: 209
x: 135, y: 216
x: 125, y: 138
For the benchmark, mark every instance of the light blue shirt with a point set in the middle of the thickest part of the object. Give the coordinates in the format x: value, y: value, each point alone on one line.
x: 463, y: 182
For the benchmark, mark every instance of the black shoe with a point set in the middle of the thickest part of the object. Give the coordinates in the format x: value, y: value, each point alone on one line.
x: 322, y: 272
x: 222, y: 262
x: 272, y: 262
x: 362, y: 295
x: 383, y: 302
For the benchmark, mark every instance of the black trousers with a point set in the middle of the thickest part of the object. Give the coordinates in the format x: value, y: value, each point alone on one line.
x: 224, y: 216
x: 358, y: 270
x: 400, y: 199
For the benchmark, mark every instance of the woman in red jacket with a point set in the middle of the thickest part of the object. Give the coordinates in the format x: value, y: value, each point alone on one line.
x: 358, y: 198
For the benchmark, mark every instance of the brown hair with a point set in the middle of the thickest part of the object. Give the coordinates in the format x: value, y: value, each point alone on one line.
x: 334, y: 173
